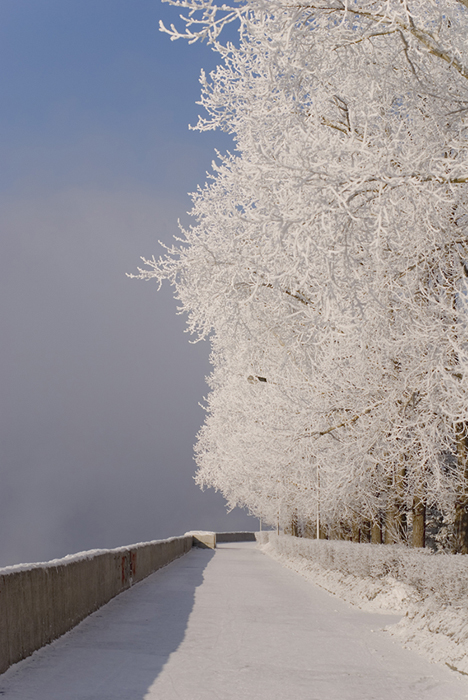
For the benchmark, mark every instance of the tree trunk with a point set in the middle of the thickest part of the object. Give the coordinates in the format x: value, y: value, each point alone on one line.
x: 390, y: 522
x: 294, y: 526
x: 355, y: 531
x: 419, y: 522
x: 376, y: 532
x: 460, y: 544
x: 401, y: 523
x: 309, y: 530
x: 395, y: 522
x: 460, y: 534
x: 365, y: 535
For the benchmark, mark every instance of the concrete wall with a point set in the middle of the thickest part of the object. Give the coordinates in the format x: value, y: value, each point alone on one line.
x: 203, y: 539
x: 235, y: 537
x: 40, y: 602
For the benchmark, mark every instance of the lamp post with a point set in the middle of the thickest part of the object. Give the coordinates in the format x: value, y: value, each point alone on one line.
x: 318, y: 502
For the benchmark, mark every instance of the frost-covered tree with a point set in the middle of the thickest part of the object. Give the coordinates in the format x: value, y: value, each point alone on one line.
x: 328, y: 257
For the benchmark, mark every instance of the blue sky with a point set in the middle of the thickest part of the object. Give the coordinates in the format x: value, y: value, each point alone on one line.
x: 100, y: 386
x: 94, y: 94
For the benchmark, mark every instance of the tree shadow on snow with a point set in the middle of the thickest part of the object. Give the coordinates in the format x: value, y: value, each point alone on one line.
x: 119, y: 651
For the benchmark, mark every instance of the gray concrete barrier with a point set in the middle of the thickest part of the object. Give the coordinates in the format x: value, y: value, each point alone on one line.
x: 235, y: 537
x: 40, y: 602
x: 205, y: 539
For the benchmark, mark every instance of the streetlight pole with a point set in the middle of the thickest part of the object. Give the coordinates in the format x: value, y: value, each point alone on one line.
x: 318, y: 502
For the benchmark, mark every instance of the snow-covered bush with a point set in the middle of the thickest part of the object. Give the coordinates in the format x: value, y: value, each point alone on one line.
x: 440, y: 577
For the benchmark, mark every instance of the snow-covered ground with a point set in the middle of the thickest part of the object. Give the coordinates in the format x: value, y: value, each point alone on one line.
x: 429, y: 590
x: 229, y: 624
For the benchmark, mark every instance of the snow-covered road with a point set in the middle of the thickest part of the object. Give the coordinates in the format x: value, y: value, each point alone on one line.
x: 229, y: 625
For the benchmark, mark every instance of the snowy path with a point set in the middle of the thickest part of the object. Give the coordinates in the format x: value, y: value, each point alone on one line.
x: 229, y: 625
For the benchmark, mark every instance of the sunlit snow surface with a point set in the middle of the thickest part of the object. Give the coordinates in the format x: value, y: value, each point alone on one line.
x: 232, y: 624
